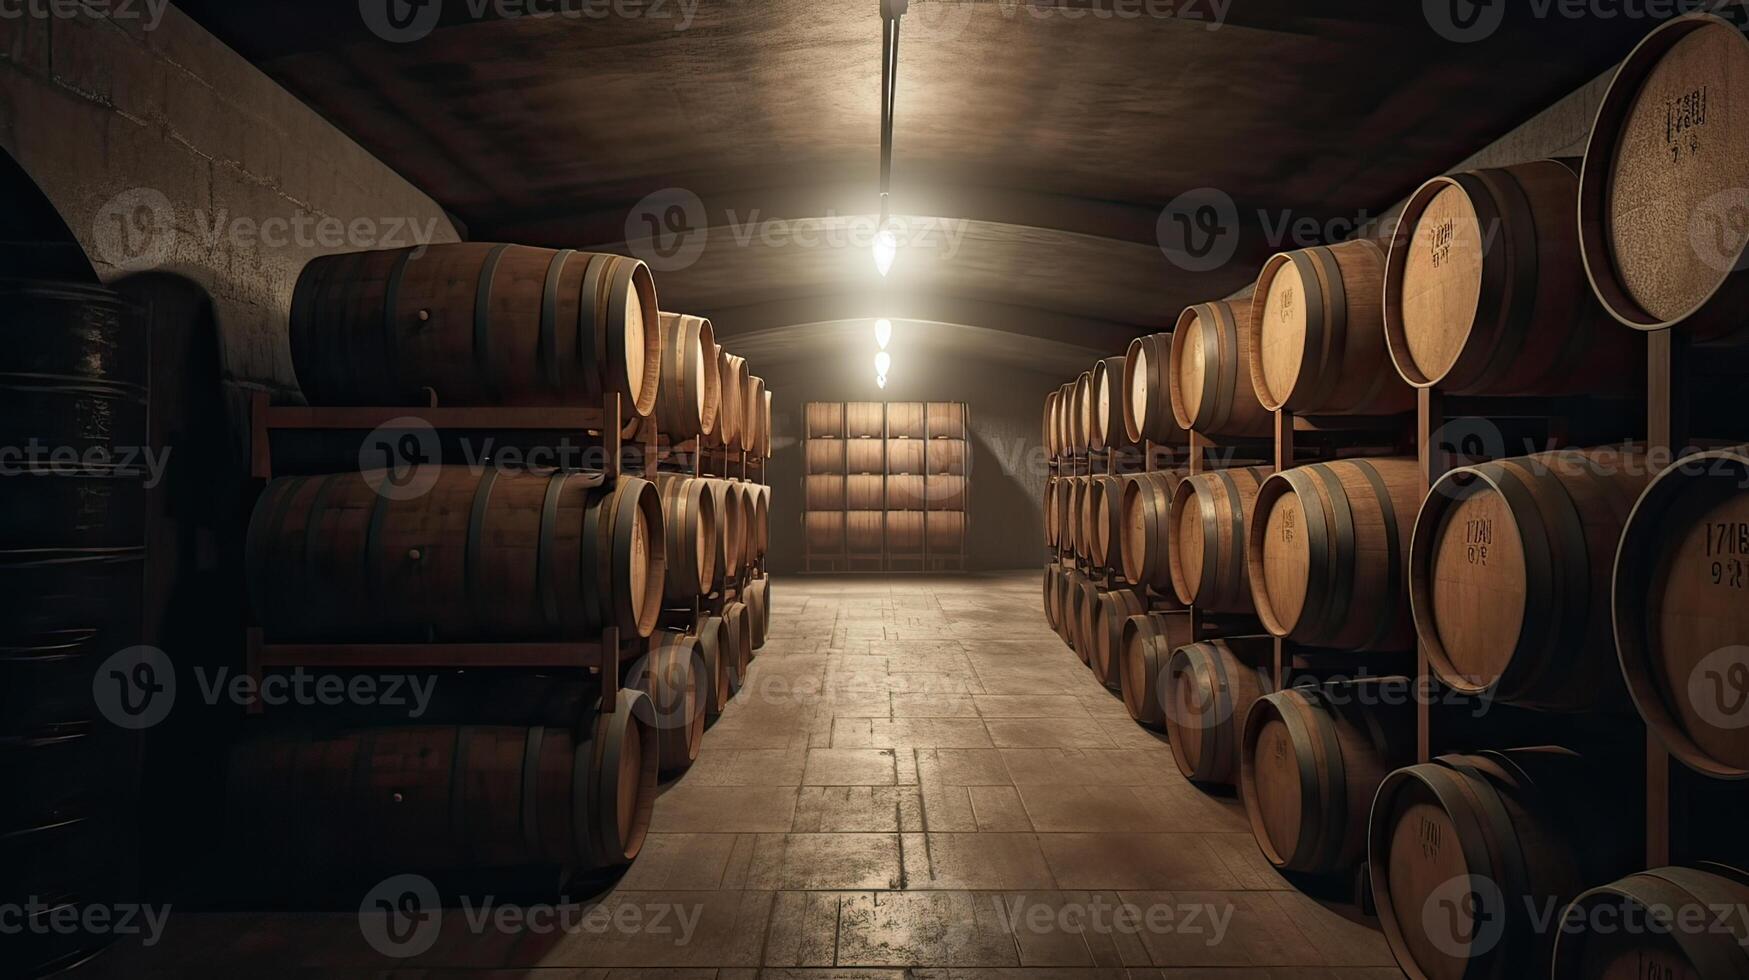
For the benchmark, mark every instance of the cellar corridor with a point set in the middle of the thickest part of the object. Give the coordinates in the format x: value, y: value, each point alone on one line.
x: 918, y: 774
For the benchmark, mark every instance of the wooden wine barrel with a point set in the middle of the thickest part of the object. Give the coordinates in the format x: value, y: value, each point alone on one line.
x: 1107, y: 406
x: 732, y: 409
x: 477, y: 323
x: 826, y: 456
x: 1147, y: 529
x: 865, y: 491
x: 1210, y: 688
x: 494, y: 555
x: 689, y: 521
x: 825, y: 420
x: 1103, y: 521
x: 754, y: 437
x: 905, y: 492
x: 865, y: 532
x: 906, y: 456
x: 1053, y: 449
x: 865, y: 456
x: 865, y: 420
x: 436, y: 798
x: 1147, y: 393
x: 722, y: 671
x: 1510, y: 569
x: 824, y: 491
x: 758, y: 594
x: 1081, y: 414
x: 1052, y: 483
x: 1664, y: 182
x: 1209, y: 516
x: 765, y: 448
x: 747, y: 495
x: 1686, y: 927
x: 1681, y: 619
x: 1053, y: 571
x: 944, y: 491
x: 1209, y: 377
x: 1311, y: 760
x: 905, y: 534
x: 671, y: 675
x: 945, y: 531
x: 1328, y: 547
x: 1318, y: 333
x: 1078, y: 504
x: 824, y: 530
x: 1505, y: 314
x: 1147, y: 645
x: 945, y: 456
x: 731, y: 537
x: 1466, y: 851
x: 1083, y: 604
x: 1112, y: 610
x: 1066, y: 615
x: 1066, y: 511
x: 905, y: 420
x: 760, y: 494
x: 740, y: 623
x: 945, y: 420
x: 1065, y: 420
x: 689, y: 394
x: 73, y: 528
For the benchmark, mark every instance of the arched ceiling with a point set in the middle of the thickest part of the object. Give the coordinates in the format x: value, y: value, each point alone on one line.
x: 1038, y: 140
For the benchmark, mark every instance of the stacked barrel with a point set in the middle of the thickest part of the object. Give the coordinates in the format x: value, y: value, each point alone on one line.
x: 451, y: 562
x: 1116, y: 456
x: 1561, y: 589
x: 886, y: 486
x: 73, y: 387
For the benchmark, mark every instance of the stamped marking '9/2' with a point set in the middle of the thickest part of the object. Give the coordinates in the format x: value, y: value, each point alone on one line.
x: 1727, y: 544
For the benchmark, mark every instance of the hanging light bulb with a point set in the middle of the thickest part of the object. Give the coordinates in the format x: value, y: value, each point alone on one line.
x: 886, y: 247
x: 881, y: 380
x: 883, y: 333
x: 883, y: 362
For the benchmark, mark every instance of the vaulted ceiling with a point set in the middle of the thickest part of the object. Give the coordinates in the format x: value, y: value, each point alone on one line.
x: 1037, y: 140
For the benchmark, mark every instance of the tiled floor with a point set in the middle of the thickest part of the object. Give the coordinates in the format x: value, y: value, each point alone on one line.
x: 919, y: 781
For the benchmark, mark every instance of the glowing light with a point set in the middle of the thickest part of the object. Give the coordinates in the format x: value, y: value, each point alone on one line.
x: 883, y: 363
x: 886, y: 247
x: 883, y: 333
x: 881, y: 380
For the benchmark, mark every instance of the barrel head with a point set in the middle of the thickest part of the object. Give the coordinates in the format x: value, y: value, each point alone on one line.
x: 1442, y: 281
x: 1281, y: 334
x: 1679, y: 174
x: 1286, y: 561
x: 1478, y: 587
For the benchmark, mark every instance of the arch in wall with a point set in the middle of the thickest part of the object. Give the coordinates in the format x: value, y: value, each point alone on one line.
x: 35, y: 241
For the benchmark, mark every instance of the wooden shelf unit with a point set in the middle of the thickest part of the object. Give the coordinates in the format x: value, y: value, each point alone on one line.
x: 596, y: 656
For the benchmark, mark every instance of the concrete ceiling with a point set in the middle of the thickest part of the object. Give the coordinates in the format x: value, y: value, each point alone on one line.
x: 1037, y: 140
